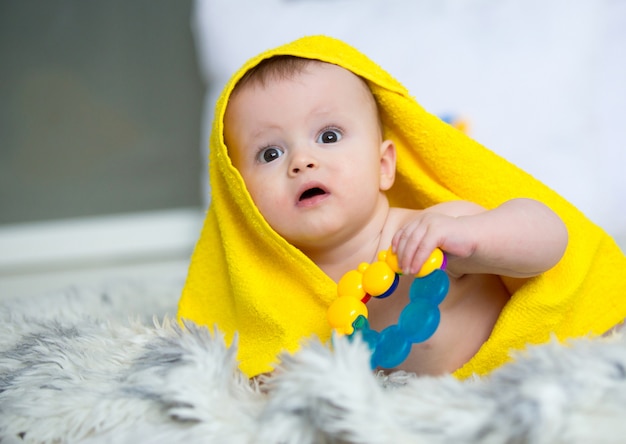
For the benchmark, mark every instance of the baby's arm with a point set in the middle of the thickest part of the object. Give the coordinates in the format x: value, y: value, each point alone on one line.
x: 520, y: 238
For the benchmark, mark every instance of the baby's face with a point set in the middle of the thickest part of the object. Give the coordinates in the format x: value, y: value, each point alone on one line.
x: 310, y: 151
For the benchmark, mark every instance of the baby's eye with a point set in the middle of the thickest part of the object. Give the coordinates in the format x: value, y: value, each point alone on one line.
x: 269, y: 154
x: 329, y: 136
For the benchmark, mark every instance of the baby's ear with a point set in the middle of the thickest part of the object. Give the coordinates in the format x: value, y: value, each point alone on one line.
x: 387, y: 164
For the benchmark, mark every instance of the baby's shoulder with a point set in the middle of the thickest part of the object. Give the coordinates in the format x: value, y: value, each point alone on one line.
x: 399, y: 216
x: 396, y: 219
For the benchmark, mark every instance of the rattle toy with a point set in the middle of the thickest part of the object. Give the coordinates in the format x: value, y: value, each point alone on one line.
x: 417, y: 322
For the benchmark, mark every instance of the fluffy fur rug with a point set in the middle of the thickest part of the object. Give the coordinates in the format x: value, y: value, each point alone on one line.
x: 87, y: 365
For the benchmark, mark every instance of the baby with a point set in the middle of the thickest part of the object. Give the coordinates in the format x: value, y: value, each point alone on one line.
x: 320, y: 159
x: 306, y: 137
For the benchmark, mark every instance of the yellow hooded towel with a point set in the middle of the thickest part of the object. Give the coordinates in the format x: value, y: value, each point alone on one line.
x: 250, y: 283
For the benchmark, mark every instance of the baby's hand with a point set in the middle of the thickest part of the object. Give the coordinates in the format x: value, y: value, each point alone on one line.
x: 416, y: 240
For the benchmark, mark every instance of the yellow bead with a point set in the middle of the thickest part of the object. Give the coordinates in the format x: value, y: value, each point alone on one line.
x: 382, y: 255
x: 351, y: 284
x: 362, y: 267
x: 378, y: 278
x: 343, y: 312
x: 389, y: 257
x: 432, y: 263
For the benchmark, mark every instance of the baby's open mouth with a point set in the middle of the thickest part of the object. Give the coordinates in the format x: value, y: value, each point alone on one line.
x: 311, y: 192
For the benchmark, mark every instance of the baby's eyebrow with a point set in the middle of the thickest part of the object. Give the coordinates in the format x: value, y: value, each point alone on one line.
x: 263, y: 129
x: 324, y: 110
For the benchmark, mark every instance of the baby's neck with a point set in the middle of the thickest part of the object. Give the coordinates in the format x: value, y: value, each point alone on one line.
x: 361, y: 247
x: 336, y: 262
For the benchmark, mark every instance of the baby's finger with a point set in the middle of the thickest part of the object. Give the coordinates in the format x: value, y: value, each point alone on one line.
x: 408, y: 245
x: 420, y: 256
x: 399, y: 241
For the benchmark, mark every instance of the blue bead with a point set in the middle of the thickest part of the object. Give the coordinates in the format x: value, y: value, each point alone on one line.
x: 419, y: 320
x: 392, y: 348
x: 432, y: 287
x: 362, y: 326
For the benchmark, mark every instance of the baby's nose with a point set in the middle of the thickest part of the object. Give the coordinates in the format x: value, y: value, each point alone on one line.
x: 296, y: 169
x: 303, y: 162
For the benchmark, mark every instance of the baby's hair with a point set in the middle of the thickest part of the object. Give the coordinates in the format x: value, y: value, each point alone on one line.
x: 275, y: 68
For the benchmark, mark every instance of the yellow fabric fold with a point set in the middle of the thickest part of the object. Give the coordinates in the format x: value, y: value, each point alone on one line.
x: 251, y: 284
